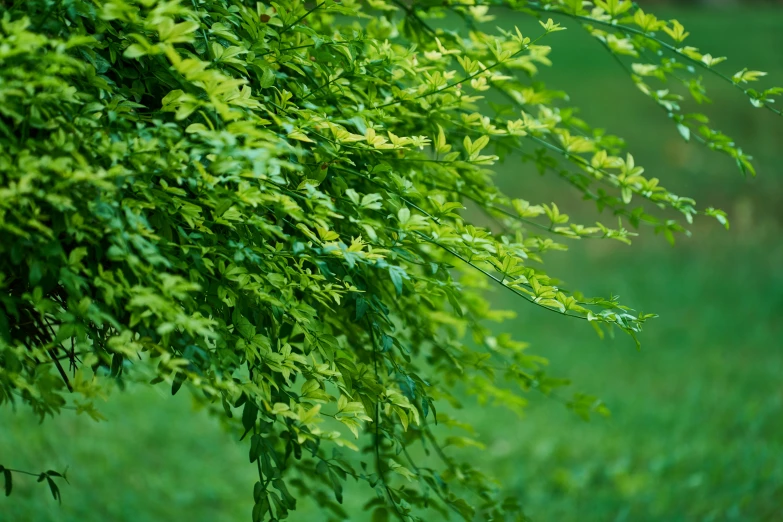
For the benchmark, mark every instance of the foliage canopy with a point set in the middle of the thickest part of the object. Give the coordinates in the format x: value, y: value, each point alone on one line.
x: 266, y: 203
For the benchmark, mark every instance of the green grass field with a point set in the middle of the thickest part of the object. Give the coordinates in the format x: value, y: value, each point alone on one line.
x: 696, y: 431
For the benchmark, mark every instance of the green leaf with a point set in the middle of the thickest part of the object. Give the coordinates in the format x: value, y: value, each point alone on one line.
x: 135, y: 51
x: 179, y: 380
x: 9, y: 481
x: 54, y: 489
x: 397, y: 275
x: 684, y: 131
x: 249, y: 414
x: 288, y: 501
x: 401, y: 470
x: 244, y: 327
x: 337, y: 487
x: 260, y: 508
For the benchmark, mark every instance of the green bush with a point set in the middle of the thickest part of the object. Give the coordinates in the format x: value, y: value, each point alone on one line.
x: 267, y: 205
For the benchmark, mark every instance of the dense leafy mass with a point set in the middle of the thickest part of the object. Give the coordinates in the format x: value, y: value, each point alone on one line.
x: 266, y: 203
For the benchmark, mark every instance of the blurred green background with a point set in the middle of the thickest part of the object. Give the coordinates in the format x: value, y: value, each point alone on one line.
x: 696, y: 432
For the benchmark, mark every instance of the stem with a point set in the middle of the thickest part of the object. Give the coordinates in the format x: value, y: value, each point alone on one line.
x: 289, y: 26
x: 377, y: 437
x: 23, y: 472
x: 495, y: 279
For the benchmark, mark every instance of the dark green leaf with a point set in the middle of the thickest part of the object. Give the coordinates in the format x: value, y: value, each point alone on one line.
x: 9, y: 481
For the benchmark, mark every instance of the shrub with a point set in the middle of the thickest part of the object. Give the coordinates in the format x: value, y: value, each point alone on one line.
x: 266, y: 203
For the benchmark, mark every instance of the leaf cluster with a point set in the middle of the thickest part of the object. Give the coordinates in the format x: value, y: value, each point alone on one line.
x: 266, y: 203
